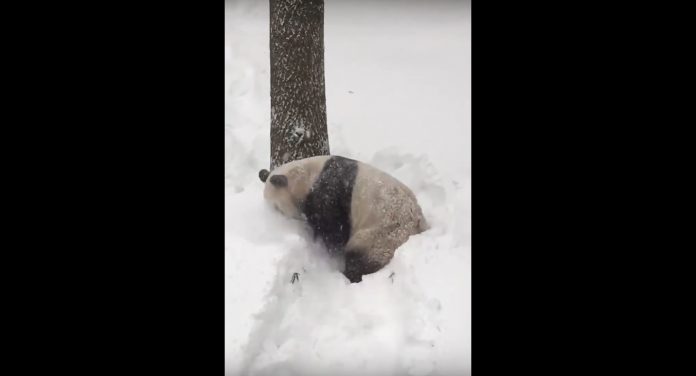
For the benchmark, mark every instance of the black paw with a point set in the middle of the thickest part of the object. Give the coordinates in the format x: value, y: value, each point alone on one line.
x: 353, y: 278
x: 357, y: 265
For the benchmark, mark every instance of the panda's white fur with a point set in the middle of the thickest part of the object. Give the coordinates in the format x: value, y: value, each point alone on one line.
x: 301, y: 176
x: 384, y: 212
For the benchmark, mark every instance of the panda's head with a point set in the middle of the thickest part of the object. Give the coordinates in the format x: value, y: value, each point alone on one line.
x: 283, y: 190
x: 287, y: 186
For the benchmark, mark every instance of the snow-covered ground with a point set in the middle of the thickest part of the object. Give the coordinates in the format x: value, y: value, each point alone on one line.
x: 398, y: 97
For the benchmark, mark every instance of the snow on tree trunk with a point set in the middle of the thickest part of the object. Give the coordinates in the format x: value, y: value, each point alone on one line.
x: 298, y: 100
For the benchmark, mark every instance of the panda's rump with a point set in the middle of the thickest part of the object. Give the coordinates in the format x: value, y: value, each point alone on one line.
x: 381, y: 201
x: 384, y: 214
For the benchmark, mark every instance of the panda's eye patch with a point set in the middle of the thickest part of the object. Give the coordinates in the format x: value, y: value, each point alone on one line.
x: 279, y: 180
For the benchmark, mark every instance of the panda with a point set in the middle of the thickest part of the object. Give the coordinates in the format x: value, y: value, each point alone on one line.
x: 358, y: 211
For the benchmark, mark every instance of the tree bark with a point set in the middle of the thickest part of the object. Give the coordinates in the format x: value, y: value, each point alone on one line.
x: 298, y: 99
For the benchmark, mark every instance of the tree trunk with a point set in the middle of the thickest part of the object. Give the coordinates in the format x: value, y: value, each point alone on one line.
x: 298, y: 100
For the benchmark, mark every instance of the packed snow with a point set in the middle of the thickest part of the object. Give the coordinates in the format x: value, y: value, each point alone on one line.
x: 398, y: 97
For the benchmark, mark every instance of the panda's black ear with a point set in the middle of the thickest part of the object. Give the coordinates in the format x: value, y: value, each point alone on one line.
x: 279, y: 180
x: 263, y: 175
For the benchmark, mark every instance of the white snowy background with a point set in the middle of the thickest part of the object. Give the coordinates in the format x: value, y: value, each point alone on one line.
x: 398, y: 96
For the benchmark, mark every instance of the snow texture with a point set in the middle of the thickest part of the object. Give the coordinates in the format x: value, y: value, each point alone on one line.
x: 398, y: 97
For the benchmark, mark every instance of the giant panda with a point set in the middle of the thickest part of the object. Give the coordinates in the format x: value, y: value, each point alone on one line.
x: 358, y: 211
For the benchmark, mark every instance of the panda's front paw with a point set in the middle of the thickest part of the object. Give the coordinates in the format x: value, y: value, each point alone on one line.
x: 295, y: 277
x: 353, y: 277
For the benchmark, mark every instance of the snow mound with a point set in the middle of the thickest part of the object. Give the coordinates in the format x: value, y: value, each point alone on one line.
x: 392, y: 323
